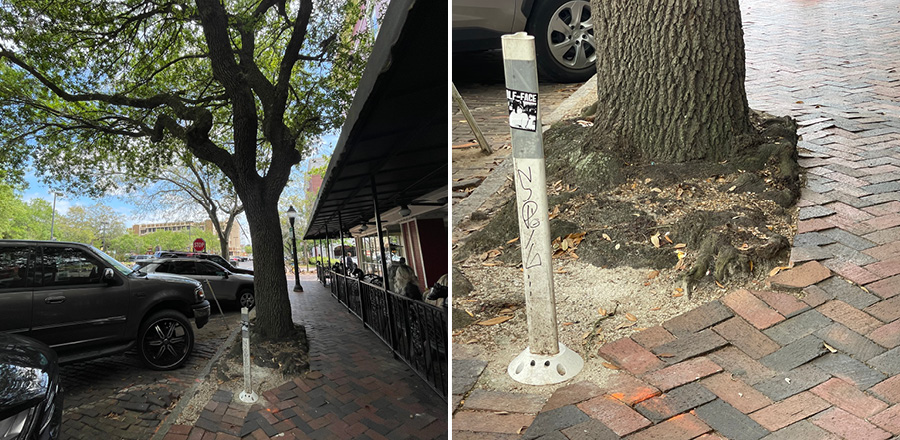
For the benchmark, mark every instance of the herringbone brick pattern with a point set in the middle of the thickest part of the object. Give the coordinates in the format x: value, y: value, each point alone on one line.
x: 762, y: 364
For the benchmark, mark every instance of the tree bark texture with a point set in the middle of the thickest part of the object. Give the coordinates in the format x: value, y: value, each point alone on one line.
x: 269, y: 281
x: 670, y: 78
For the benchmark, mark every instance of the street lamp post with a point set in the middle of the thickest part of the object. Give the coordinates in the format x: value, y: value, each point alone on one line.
x: 292, y: 215
x: 53, y: 214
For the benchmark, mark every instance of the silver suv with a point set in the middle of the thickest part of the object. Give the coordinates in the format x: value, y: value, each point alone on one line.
x: 562, y: 29
x: 218, y: 282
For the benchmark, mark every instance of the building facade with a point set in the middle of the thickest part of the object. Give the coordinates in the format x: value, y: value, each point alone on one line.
x: 234, y: 239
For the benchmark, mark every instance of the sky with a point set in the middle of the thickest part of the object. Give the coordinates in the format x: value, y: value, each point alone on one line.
x: 121, y: 204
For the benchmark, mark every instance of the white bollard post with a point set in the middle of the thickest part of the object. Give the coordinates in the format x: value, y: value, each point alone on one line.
x: 545, y: 360
x: 248, y: 395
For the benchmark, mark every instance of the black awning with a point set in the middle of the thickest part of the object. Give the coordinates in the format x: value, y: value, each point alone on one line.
x: 396, y: 128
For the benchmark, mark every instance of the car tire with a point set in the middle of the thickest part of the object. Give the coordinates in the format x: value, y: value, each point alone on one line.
x: 564, y: 41
x: 246, y: 298
x: 165, y: 340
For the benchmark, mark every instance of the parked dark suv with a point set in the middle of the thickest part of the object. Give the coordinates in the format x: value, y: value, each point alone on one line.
x: 84, y: 304
x: 204, y: 256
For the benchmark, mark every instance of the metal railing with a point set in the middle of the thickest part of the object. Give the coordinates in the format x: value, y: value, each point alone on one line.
x: 320, y: 273
x: 415, y: 331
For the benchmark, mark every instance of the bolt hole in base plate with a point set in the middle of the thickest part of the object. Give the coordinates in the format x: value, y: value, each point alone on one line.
x: 250, y: 397
x: 536, y: 369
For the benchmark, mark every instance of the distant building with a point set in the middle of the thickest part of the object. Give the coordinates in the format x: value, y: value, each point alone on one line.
x: 314, y: 180
x: 234, y: 239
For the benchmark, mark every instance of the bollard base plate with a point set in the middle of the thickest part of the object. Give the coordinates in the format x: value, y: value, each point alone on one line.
x: 536, y: 369
x: 250, y: 397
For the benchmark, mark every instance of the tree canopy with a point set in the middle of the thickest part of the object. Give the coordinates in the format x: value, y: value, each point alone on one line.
x: 91, y: 88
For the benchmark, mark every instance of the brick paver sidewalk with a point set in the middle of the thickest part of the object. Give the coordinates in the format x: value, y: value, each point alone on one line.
x: 355, y: 389
x: 764, y: 364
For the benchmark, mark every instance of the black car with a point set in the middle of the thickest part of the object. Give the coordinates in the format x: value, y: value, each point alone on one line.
x: 84, y: 304
x: 204, y: 256
x: 30, y: 395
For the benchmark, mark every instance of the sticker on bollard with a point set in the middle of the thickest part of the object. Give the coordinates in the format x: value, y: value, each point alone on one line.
x: 545, y: 360
x: 523, y: 109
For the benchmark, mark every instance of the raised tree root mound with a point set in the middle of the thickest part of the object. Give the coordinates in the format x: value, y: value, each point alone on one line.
x: 716, y: 222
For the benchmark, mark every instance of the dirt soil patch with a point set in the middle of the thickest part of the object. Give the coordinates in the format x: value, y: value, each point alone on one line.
x: 273, y: 362
x: 655, y: 241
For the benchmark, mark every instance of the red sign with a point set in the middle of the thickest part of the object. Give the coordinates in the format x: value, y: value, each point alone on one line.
x: 199, y: 245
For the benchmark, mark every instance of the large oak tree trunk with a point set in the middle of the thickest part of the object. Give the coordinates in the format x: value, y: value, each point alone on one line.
x: 269, y: 280
x: 670, y: 78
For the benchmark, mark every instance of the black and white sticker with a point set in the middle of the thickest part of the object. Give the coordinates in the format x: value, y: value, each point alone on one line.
x: 523, y: 108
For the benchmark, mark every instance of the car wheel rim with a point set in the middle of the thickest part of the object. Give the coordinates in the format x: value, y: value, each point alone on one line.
x: 570, y: 35
x: 247, y: 300
x: 166, y: 343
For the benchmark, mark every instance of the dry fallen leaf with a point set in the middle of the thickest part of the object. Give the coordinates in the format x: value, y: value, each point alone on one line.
x: 653, y: 274
x: 567, y: 324
x: 601, y: 311
x: 630, y: 317
x: 618, y: 246
x: 625, y: 325
x: 610, y: 366
x: 774, y: 271
x: 553, y: 214
x: 606, y: 237
x: 495, y: 321
x: 513, y: 240
x: 655, y: 239
x: 721, y: 286
x: 677, y: 295
x: 470, y: 313
x: 666, y: 355
x: 654, y: 309
x: 501, y: 413
x: 830, y: 348
x: 679, y: 289
x: 680, y: 246
x: 667, y: 237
